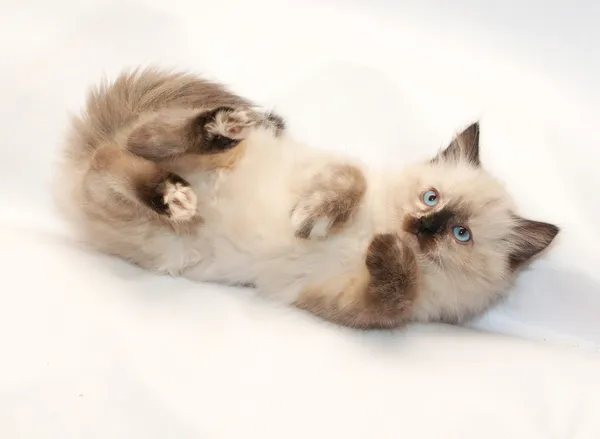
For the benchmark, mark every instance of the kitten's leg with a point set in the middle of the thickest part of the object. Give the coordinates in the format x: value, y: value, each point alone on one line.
x: 173, y: 132
x: 225, y: 127
x: 329, y: 202
x: 144, y: 183
x: 379, y: 296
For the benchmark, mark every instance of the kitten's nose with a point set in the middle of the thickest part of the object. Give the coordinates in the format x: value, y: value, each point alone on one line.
x: 434, y: 223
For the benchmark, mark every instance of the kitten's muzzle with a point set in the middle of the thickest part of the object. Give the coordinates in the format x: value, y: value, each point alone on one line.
x: 429, y: 225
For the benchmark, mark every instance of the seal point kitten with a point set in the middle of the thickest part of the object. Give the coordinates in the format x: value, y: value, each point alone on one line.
x: 180, y: 176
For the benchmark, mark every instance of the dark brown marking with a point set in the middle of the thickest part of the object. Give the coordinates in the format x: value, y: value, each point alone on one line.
x: 151, y: 191
x: 169, y: 134
x: 430, y: 227
x: 341, y: 189
x: 134, y: 177
x: 434, y: 223
x: 220, y: 143
x: 393, y: 269
x: 380, y: 298
x: 464, y: 147
x: 304, y: 230
x: 277, y: 122
x: 529, y: 239
x: 205, y: 142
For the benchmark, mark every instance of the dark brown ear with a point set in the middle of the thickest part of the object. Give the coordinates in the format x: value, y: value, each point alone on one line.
x: 529, y: 238
x: 464, y: 147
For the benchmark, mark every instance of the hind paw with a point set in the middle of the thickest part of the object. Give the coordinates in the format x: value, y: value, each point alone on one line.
x: 180, y: 200
x: 172, y: 197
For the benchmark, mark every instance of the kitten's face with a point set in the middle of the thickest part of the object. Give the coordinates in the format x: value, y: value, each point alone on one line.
x: 464, y: 224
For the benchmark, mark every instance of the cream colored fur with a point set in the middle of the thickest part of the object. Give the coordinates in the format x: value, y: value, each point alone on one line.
x: 247, y: 216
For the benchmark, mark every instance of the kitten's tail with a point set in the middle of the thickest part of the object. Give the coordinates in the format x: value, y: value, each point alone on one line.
x: 379, y: 295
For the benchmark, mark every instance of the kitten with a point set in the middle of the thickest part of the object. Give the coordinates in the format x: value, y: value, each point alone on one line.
x: 159, y: 173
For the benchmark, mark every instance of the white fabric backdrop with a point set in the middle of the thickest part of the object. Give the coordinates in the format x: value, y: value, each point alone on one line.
x: 96, y: 348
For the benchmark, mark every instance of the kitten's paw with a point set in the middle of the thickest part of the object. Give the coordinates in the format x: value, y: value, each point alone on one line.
x: 232, y: 123
x: 386, y: 249
x: 172, y: 197
x: 224, y: 127
x: 180, y: 199
x: 312, y: 217
x: 330, y: 202
x: 393, y: 267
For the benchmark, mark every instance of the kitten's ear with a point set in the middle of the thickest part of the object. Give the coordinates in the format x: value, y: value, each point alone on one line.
x: 464, y: 147
x: 528, y: 239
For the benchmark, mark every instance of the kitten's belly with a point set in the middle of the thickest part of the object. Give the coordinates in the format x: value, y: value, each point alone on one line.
x: 255, y: 244
x: 248, y: 237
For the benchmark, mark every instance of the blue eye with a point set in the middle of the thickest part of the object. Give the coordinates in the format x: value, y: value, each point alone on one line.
x: 431, y: 198
x: 461, y: 234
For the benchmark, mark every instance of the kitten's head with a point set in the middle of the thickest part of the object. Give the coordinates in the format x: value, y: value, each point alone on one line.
x: 470, y: 239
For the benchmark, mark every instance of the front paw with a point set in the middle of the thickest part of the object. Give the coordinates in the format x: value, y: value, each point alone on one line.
x: 172, y: 197
x: 180, y: 199
x: 313, y: 217
x: 330, y: 202
x: 393, y: 267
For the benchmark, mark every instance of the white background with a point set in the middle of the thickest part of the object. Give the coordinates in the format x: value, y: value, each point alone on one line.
x: 95, y: 348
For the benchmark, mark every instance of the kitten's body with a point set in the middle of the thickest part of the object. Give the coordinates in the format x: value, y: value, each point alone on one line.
x: 248, y: 235
x: 352, y: 245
